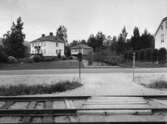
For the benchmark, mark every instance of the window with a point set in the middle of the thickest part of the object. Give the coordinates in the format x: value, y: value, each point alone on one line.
x: 162, y: 38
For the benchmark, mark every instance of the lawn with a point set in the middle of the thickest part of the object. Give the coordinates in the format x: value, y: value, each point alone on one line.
x: 142, y: 64
x: 41, y: 65
x: 155, y: 81
x: 23, y: 89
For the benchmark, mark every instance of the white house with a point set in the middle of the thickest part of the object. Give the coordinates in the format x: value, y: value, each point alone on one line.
x: 81, y: 48
x: 47, y: 46
x: 161, y: 35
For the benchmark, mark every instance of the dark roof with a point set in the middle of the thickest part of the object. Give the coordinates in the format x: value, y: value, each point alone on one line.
x: 81, y: 46
x: 51, y: 38
x: 164, y: 19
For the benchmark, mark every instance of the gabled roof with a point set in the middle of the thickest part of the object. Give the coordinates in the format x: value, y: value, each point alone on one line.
x: 164, y: 19
x: 81, y: 46
x: 51, y: 38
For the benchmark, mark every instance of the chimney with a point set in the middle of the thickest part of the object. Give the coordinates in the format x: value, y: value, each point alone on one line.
x: 43, y: 35
x: 51, y: 33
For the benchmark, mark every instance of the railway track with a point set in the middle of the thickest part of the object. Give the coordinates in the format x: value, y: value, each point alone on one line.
x: 83, y: 109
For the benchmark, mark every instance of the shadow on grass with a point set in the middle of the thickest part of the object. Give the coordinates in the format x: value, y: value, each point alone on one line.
x: 22, y: 89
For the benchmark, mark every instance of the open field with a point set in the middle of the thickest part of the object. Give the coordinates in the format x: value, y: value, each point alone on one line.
x: 142, y: 64
x: 41, y: 65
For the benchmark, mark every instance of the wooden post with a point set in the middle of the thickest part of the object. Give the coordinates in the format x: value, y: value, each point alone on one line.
x: 133, y: 66
x: 80, y: 60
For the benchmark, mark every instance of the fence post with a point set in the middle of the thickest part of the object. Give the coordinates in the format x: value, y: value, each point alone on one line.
x: 133, y: 66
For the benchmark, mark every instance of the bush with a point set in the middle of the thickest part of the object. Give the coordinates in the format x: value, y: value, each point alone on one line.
x: 128, y: 55
x: 48, y: 59
x: 155, y: 55
x: 106, y: 56
x: 148, y: 53
x: 158, y: 84
x: 12, y: 59
x: 28, y: 60
x: 37, y: 58
x: 3, y: 55
x: 113, y: 60
x: 162, y: 55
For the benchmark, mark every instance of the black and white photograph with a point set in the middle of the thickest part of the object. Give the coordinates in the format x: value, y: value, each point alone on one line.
x: 83, y: 61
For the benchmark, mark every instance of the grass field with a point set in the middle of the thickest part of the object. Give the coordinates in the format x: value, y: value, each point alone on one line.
x: 24, y: 89
x: 41, y: 65
x: 143, y: 64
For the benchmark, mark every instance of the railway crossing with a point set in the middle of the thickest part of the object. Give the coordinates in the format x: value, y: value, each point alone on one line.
x: 83, y: 109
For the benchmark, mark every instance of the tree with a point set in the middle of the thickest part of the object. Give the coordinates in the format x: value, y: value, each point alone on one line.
x: 121, y: 43
x: 124, y: 34
x: 96, y: 42
x: 92, y: 42
x: 13, y: 40
x: 147, y: 40
x: 135, y: 39
x: 100, y: 37
x: 113, y: 44
x: 62, y: 33
x: 83, y: 42
x: 74, y: 43
x: 67, y: 51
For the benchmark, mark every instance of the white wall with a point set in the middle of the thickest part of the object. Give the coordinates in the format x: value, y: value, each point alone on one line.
x: 158, y: 37
x: 48, y: 48
x: 75, y: 51
x: 83, y: 51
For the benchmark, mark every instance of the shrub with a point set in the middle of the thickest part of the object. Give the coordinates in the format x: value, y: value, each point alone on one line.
x: 49, y: 58
x: 113, y: 60
x: 148, y: 53
x: 162, y: 55
x: 27, y: 60
x: 12, y: 59
x: 158, y: 84
x: 155, y: 55
x: 3, y: 55
x: 37, y: 58
x: 128, y: 55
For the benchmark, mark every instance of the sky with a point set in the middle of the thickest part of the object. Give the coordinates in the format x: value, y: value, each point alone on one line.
x: 82, y: 17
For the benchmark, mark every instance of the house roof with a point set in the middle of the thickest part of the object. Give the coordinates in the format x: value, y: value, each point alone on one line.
x: 81, y: 46
x: 51, y: 38
x: 164, y: 19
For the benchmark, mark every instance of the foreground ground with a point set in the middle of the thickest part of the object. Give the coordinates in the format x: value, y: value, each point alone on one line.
x: 103, y: 81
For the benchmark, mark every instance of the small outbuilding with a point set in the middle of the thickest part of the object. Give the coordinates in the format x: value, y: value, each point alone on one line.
x: 81, y: 48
